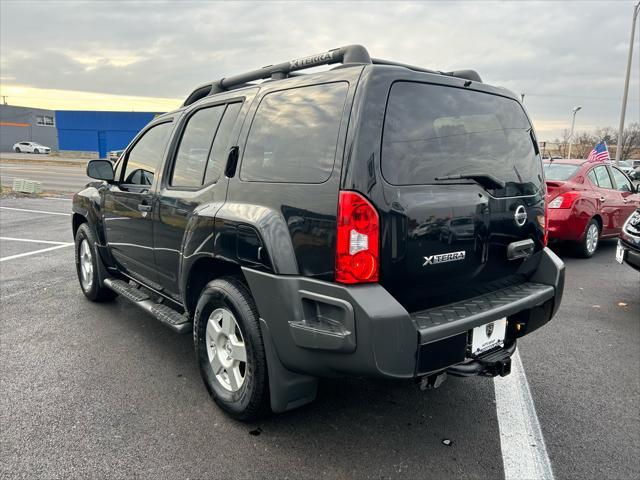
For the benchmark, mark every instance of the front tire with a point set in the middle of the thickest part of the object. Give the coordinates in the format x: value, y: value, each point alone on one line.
x: 230, y: 350
x: 590, y: 241
x: 87, y: 266
x: 17, y: 149
x: 36, y: 151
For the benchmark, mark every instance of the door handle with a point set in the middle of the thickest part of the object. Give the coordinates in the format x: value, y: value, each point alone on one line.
x: 143, y: 207
x: 603, y: 199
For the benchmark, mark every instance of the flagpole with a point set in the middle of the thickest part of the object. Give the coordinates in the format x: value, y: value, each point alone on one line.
x: 636, y: 8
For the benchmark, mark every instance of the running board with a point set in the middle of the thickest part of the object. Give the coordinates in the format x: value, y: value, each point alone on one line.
x: 176, y: 321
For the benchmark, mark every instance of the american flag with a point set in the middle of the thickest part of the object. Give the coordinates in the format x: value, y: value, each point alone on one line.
x: 599, y: 152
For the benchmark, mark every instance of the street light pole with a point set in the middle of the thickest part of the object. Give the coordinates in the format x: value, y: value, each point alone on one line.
x: 636, y: 8
x: 573, y: 124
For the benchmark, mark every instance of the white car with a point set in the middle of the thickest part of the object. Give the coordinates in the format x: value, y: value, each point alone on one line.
x: 114, y: 155
x: 30, y: 147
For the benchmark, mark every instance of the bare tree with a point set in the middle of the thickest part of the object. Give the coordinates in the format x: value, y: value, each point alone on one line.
x: 630, y: 141
x: 563, y: 144
x: 584, y: 143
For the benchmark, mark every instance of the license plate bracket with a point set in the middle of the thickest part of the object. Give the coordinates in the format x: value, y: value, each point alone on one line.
x: 488, y: 336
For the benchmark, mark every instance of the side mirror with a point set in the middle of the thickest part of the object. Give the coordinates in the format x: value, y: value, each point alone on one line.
x: 100, y: 170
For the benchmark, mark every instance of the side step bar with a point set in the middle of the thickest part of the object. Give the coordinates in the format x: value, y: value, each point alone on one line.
x: 168, y: 316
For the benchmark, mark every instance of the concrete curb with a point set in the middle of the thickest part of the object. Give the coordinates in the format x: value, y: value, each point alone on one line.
x: 62, y: 163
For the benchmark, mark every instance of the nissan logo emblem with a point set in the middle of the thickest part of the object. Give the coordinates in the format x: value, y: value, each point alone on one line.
x: 520, y: 216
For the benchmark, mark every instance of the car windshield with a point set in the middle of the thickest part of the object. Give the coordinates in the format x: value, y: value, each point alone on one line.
x: 434, y: 131
x: 559, y: 171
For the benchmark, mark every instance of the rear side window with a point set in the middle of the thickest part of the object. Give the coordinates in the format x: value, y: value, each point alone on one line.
x: 602, y: 177
x: 294, y: 135
x: 221, y: 144
x: 193, y: 152
x: 435, y: 131
x: 559, y: 171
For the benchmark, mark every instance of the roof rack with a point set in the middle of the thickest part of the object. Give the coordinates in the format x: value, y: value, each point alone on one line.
x: 349, y: 55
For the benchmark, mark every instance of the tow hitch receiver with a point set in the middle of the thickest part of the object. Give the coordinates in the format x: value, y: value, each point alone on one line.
x: 501, y: 367
x: 493, y: 364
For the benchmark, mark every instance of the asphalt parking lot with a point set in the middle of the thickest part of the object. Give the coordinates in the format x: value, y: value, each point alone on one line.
x: 102, y: 390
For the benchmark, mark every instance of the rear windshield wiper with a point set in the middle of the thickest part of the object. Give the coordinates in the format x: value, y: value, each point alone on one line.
x: 484, y: 179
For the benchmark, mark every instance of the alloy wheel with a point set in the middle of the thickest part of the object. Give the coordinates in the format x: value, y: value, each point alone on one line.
x: 592, y: 238
x: 86, y: 265
x: 226, y: 349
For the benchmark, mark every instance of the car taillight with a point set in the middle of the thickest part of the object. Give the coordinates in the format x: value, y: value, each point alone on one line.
x: 357, y: 247
x: 564, y: 200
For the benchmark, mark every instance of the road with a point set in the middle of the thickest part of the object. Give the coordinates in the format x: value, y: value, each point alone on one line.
x: 66, y: 178
x: 103, y: 390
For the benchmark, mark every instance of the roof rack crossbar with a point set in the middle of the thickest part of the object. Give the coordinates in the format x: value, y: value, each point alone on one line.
x: 351, y: 54
x: 466, y: 74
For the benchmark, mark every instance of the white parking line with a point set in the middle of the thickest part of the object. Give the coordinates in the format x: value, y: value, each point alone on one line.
x: 26, y: 254
x: 35, y: 211
x: 524, y: 453
x: 29, y: 240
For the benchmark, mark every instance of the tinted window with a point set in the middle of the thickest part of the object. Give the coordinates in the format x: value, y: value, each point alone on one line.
x: 191, y: 158
x: 144, y: 157
x: 602, y: 177
x: 622, y: 183
x: 294, y: 135
x: 435, y: 131
x: 559, y: 171
x: 221, y: 144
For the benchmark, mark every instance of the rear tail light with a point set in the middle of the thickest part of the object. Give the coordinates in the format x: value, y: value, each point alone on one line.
x: 565, y: 200
x: 357, y: 248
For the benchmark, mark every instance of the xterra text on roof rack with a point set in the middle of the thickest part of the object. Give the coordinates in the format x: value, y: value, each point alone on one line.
x: 375, y: 220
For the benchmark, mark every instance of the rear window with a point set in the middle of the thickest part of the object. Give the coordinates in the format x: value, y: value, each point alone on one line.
x: 435, y: 131
x: 294, y: 135
x: 559, y: 171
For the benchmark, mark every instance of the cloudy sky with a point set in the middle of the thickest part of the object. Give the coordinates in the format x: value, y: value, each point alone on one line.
x: 119, y: 55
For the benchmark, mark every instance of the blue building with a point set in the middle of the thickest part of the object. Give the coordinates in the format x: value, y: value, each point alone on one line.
x: 86, y: 131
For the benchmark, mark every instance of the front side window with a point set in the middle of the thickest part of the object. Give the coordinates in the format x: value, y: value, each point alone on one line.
x: 602, y: 177
x: 434, y: 131
x: 294, y: 135
x: 622, y: 183
x: 191, y: 158
x: 145, y: 156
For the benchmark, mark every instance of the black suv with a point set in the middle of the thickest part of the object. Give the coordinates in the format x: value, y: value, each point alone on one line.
x: 375, y: 220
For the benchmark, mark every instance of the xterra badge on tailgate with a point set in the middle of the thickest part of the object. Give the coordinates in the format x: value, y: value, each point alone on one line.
x: 443, y: 258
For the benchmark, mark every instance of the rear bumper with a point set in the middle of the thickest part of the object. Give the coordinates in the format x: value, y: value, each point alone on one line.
x: 325, y: 329
x: 566, y: 224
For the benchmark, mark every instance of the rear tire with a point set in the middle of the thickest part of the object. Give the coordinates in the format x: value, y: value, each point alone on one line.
x: 230, y: 350
x: 87, y: 267
x: 36, y: 151
x: 590, y: 241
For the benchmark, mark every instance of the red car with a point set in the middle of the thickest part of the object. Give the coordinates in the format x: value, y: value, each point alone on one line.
x: 587, y: 201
